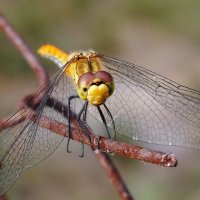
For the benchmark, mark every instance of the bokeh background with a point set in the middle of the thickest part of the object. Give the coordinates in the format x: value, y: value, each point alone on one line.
x: 163, y: 35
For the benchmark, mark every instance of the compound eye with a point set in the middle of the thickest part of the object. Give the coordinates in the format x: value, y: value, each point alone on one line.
x: 85, y: 80
x: 104, y: 76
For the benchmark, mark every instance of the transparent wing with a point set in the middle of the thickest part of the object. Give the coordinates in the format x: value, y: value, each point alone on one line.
x: 26, y: 144
x: 15, y: 147
x: 152, y: 108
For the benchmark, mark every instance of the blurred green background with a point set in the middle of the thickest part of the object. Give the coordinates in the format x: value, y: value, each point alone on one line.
x: 163, y: 35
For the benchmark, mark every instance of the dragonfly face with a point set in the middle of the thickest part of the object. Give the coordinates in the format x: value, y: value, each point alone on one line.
x: 95, y: 88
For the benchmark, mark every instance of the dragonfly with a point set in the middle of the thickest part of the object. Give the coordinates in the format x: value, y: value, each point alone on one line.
x: 109, y: 95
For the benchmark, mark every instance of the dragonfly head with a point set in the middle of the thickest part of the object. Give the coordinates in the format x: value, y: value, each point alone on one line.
x: 95, y: 87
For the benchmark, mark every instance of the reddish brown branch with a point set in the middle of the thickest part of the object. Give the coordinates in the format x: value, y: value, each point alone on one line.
x: 109, y: 145
x: 115, y: 177
x: 25, y: 51
x: 123, y: 149
x: 139, y: 153
x: 101, y: 143
x: 29, y: 56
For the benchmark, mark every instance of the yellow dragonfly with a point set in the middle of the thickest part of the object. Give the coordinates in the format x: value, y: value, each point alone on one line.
x: 109, y: 95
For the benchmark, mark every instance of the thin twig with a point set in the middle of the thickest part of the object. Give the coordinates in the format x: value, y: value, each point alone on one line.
x: 25, y: 51
x: 101, y: 143
x: 115, y: 177
x: 109, y: 145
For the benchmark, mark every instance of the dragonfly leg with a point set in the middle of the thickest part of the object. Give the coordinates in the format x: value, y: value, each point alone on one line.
x: 111, y: 117
x: 83, y: 112
x: 104, y: 121
x: 69, y: 119
x: 84, y: 119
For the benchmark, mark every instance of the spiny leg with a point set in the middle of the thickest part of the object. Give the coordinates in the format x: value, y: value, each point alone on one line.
x: 113, y: 123
x: 69, y: 119
x: 104, y: 121
x: 84, y: 120
x: 83, y: 112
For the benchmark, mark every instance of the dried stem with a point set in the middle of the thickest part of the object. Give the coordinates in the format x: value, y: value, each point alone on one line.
x: 25, y: 51
x: 109, y: 145
x: 115, y: 177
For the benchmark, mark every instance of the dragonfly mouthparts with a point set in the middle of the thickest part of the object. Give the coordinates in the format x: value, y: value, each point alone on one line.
x: 97, y: 83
